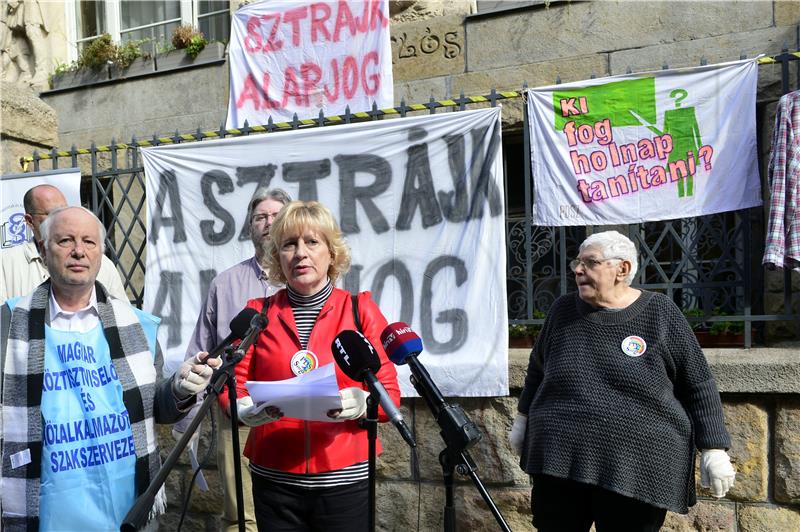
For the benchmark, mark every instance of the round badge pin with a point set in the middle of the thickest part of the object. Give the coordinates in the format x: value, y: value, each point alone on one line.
x: 634, y: 346
x: 303, y: 361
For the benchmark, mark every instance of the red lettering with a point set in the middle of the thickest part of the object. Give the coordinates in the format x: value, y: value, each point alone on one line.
x: 362, y: 23
x: 249, y: 92
x: 291, y: 88
x: 268, y: 104
x: 375, y: 78
x: 351, y: 76
x: 311, y: 74
x: 272, y: 43
x: 320, y: 13
x: 377, y: 13
x: 333, y: 95
x: 252, y: 41
x: 294, y: 16
x: 343, y: 17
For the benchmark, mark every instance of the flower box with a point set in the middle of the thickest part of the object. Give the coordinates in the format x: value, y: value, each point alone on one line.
x: 706, y: 339
x: 140, y: 66
x: 82, y: 76
x: 174, y: 59
x: 522, y: 342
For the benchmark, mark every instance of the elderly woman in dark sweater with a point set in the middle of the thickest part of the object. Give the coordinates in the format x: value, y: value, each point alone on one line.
x: 617, y: 397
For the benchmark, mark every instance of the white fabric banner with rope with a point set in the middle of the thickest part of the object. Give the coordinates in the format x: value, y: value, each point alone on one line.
x: 420, y: 201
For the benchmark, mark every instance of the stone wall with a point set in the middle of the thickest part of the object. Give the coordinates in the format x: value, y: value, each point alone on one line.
x: 26, y: 124
x: 761, y: 399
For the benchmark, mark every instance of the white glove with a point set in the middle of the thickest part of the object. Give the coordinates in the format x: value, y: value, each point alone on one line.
x: 517, y: 434
x: 716, y: 471
x: 193, y: 376
x: 354, y: 404
x: 247, y: 415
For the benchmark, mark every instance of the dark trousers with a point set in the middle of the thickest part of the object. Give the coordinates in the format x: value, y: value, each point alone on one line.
x: 560, y: 505
x: 279, y: 507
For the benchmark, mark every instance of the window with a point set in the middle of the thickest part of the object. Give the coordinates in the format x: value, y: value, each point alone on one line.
x: 151, y: 20
x: 214, y: 19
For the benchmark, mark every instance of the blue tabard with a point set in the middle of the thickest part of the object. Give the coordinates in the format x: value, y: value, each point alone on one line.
x: 88, y: 454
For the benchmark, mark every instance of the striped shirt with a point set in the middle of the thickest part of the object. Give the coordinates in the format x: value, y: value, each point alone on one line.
x: 306, y: 309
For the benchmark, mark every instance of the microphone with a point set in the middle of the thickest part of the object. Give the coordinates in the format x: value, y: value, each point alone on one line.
x: 402, y: 345
x: 257, y: 324
x: 239, y: 328
x: 358, y: 360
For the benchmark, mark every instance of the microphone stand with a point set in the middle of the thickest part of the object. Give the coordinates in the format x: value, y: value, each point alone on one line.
x: 136, y: 517
x: 459, y: 434
x: 371, y: 424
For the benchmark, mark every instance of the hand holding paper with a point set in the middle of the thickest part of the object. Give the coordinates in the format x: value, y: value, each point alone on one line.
x: 309, y: 396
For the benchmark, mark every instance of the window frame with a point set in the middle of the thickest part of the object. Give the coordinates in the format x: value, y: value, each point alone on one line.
x: 188, y: 15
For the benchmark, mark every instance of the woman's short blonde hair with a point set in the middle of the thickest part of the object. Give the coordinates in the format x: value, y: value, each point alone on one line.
x: 293, y: 219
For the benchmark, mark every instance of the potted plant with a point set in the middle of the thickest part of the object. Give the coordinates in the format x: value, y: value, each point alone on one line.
x: 523, y: 335
x: 131, y: 60
x: 91, y: 66
x: 100, y: 60
x: 716, y: 333
x: 187, y: 47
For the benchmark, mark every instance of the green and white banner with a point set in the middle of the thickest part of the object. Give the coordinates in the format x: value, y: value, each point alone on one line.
x: 645, y: 147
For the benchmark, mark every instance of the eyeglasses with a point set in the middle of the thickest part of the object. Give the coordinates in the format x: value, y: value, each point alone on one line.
x: 263, y: 217
x: 589, y: 264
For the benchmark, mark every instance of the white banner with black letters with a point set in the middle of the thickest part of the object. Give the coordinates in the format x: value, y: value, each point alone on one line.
x: 420, y: 201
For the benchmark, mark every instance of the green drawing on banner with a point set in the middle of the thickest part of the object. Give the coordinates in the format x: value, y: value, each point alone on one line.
x: 633, y: 103
x: 612, y: 100
x: 681, y: 124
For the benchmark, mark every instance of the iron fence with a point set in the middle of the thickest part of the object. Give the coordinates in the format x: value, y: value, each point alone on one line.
x: 709, y: 265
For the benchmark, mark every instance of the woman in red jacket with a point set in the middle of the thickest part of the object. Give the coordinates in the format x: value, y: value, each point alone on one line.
x: 309, y: 475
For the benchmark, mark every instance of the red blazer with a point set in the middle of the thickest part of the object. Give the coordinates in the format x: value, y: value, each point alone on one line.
x: 297, y: 446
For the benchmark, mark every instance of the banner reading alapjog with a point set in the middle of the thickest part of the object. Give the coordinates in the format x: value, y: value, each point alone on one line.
x: 645, y: 147
x: 420, y: 201
x: 295, y: 56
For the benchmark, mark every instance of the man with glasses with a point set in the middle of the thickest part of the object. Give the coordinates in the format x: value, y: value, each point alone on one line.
x: 227, y: 296
x: 22, y: 268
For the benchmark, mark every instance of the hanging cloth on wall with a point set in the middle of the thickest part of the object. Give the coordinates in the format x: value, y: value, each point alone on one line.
x: 782, y: 247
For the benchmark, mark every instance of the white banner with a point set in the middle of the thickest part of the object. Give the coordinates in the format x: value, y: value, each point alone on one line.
x: 420, y: 201
x: 295, y: 56
x: 13, y: 230
x: 645, y: 147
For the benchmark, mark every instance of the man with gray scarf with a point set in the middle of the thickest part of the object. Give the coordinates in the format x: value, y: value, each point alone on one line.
x: 81, y: 391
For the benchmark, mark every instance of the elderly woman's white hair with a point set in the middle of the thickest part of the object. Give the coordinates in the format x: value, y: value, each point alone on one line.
x: 614, y: 245
x: 47, y: 225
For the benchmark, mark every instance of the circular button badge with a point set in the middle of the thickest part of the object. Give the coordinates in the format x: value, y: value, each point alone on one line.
x: 303, y: 361
x: 634, y: 346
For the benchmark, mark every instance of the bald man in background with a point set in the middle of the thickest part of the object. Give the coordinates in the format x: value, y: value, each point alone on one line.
x: 22, y: 268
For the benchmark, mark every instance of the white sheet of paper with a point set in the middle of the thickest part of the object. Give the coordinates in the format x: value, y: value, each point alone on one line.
x: 309, y: 396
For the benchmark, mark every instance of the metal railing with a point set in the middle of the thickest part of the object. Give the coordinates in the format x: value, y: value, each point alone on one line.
x: 709, y: 265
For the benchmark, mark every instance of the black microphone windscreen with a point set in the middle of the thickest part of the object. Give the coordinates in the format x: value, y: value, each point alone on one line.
x: 355, y: 355
x: 241, y: 322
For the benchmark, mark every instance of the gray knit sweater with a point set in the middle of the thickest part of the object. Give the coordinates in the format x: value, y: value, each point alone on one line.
x: 626, y: 423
